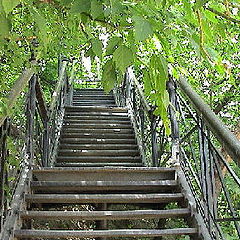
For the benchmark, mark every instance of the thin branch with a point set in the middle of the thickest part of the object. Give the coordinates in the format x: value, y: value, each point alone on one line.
x: 223, y: 15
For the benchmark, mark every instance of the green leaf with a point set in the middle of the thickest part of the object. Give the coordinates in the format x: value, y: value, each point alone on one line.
x: 96, y: 9
x: 41, y: 25
x: 9, y: 5
x: 112, y: 43
x: 80, y: 6
x: 109, y: 77
x: 147, y: 83
x: 97, y: 47
x: 5, y: 25
x: 200, y: 3
x: 89, y: 53
x: 143, y: 29
x: 159, y: 72
x: 123, y: 58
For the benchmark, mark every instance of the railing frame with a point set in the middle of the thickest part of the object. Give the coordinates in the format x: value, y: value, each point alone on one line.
x: 37, y: 116
x: 206, y: 125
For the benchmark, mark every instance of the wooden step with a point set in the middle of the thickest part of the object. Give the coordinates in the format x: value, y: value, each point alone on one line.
x: 107, y: 215
x: 92, y: 97
x: 66, y: 130
x: 89, y: 104
x: 103, y: 233
x: 91, y: 92
x: 99, y: 141
x: 99, y: 146
x: 122, y: 122
x: 98, y: 125
x: 96, y: 116
x: 98, y: 135
x: 96, y: 186
x: 95, y: 101
x: 104, y: 198
x: 98, y: 164
x: 104, y: 174
x: 96, y: 109
x: 98, y: 159
x: 107, y: 153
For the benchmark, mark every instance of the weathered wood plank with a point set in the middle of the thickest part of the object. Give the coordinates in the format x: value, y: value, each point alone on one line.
x: 96, y: 186
x: 99, y: 159
x: 103, y: 233
x: 108, y: 215
x: 78, y: 152
x: 96, y: 109
x: 100, y: 146
x: 104, y: 198
x: 99, y: 164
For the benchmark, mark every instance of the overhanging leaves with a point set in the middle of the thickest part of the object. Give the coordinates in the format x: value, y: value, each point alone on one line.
x: 9, y: 5
x: 97, y: 47
x: 81, y: 6
x: 123, y: 58
x: 109, y: 76
x: 143, y: 28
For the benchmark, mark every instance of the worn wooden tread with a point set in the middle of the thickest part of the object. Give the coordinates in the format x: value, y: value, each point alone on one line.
x: 96, y: 108
x: 96, y: 116
x: 99, y: 104
x: 99, y: 159
x: 106, y: 169
x: 104, y: 198
x: 98, y: 135
x: 93, y: 98
x: 107, y: 215
x: 115, y: 130
x: 103, y: 233
x: 118, y: 152
x: 99, y: 146
x: 102, y: 185
x: 117, y: 141
x: 96, y: 164
x: 100, y: 125
x: 97, y: 121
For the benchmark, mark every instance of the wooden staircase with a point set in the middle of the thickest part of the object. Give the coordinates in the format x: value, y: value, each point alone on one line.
x: 99, y: 187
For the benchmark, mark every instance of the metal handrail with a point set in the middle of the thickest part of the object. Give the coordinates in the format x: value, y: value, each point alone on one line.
x: 132, y: 77
x: 17, y: 89
x: 221, y: 132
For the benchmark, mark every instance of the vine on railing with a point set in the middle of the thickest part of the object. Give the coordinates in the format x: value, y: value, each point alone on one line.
x: 39, y: 128
x: 149, y: 129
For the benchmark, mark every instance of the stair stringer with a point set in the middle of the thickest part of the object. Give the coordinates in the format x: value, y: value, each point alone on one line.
x: 199, y: 221
x: 13, y: 221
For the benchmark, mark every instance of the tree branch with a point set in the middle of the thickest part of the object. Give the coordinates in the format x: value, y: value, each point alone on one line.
x: 223, y: 15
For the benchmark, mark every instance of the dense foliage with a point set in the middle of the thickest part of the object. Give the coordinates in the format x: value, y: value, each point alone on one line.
x: 194, y: 38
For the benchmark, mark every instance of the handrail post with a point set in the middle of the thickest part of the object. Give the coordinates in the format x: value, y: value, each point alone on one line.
x: 31, y: 108
x: 171, y: 86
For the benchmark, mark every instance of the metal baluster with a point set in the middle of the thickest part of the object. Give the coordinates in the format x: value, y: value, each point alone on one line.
x: 154, y: 140
x: 174, y: 123
x: 4, y: 132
